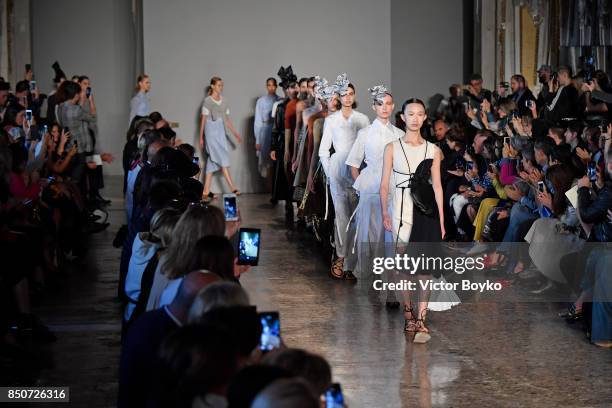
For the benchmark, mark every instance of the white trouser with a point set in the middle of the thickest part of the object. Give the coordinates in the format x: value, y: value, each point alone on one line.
x: 345, y: 202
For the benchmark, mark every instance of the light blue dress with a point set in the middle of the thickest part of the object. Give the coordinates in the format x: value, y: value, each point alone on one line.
x: 215, y: 136
x: 263, y: 131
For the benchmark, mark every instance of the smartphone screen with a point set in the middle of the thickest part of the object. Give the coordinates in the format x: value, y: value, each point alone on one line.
x: 230, y: 208
x: 507, y: 140
x: 32, y: 86
x: 270, y: 331
x: 334, y: 397
x: 248, y: 246
x: 541, y: 186
x: 469, y: 165
x: 28, y: 115
x: 592, y: 171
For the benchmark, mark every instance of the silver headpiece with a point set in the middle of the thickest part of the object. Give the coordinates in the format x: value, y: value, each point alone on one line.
x: 319, y: 85
x: 378, y: 94
x: 342, y: 84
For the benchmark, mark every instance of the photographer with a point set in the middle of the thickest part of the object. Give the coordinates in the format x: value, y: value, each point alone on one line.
x: 73, y: 116
x: 562, y: 102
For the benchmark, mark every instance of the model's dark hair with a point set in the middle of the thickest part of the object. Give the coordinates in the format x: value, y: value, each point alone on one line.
x: 476, y: 77
x: 303, y: 79
x: 339, y: 104
x: 82, y: 78
x: 413, y: 100
x: 271, y: 79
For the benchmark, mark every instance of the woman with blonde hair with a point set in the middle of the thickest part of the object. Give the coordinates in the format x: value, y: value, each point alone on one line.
x: 140, y: 105
x: 197, y: 222
x: 213, y: 136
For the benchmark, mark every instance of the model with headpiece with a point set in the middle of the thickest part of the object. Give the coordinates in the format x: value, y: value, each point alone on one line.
x: 213, y: 136
x: 340, y: 133
x: 263, y: 127
x: 412, y: 165
x: 371, y: 239
x: 281, y: 189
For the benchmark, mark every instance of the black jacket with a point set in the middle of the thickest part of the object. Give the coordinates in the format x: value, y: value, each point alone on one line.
x: 595, y: 211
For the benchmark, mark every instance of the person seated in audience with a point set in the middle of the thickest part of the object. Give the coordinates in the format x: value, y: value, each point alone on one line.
x: 250, y: 381
x: 287, y: 393
x: 302, y: 364
x: 213, y: 254
x: 144, y: 336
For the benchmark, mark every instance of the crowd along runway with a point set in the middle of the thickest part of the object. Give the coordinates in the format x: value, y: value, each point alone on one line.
x: 488, y: 354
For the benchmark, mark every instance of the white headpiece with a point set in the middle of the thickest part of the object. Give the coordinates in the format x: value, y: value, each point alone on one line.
x: 378, y: 94
x: 342, y: 84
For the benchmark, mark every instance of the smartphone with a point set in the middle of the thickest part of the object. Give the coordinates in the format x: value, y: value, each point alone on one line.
x: 196, y: 160
x: 334, y: 397
x: 248, y: 246
x: 32, y: 86
x: 66, y: 129
x: 88, y: 91
x: 507, y: 140
x: 28, y: 115
x: 230, y: 208
x: 469, y: 165
x: 592, y: 171
x: 270, y: 331
x: 541, y: 187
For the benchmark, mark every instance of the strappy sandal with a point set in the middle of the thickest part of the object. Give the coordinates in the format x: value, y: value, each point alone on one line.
x: 337, y: 269
x: 422, y: 333
x: 410, y: 322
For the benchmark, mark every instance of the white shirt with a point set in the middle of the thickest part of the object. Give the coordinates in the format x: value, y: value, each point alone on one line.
x: 370, y: 146
x: 340, y: 133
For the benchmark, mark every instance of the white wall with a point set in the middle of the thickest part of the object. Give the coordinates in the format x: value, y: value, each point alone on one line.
x: 246, y: 41
x: 427, y: 47
x: 93, y: 38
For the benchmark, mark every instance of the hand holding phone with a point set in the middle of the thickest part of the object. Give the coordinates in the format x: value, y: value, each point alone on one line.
x: 541, y: 187
x: 270, y: 331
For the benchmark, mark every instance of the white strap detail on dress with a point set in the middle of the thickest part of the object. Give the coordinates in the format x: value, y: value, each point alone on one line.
x: 348, y: 225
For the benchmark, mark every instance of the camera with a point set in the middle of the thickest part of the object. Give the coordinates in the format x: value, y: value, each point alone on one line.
x: 88, y: 91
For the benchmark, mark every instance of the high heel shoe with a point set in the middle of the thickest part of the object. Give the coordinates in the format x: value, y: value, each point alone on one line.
x: 409, y: 322
x: 422, y: 332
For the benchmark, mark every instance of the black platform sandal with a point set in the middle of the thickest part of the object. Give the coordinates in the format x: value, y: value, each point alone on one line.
x: 410, y: 322
x: 422, y: 333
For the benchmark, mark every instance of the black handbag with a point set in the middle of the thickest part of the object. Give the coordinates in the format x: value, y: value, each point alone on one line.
x: 423, y: 195
x: 421, y: 190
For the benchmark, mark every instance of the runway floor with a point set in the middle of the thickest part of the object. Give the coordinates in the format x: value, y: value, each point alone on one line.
x: 481, y: 354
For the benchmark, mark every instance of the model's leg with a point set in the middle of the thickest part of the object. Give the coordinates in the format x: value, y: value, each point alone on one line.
x: 228, y: 178
x: 207, y: 183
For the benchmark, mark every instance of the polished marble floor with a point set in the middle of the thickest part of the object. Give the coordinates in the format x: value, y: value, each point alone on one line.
x: 481, y: 354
